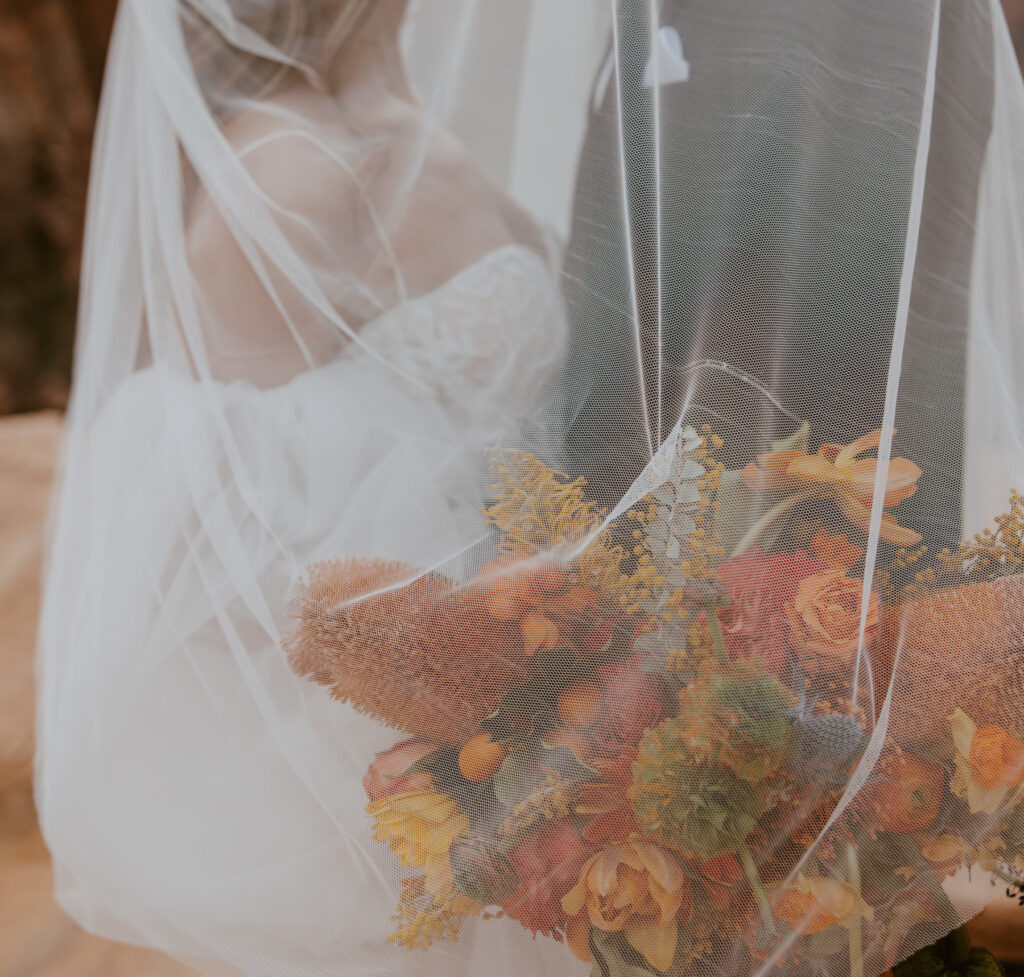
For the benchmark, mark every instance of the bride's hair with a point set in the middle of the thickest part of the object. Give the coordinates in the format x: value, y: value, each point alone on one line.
x: 255, y: 48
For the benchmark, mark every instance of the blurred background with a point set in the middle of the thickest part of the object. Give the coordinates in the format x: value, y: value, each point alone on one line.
x: 51, y: 68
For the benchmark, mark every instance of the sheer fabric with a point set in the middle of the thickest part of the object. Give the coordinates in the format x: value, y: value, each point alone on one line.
x: 514, y: 502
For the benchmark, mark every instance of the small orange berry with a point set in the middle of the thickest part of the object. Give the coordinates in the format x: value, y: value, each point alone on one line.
x: 480, y: 758
x: 502, y: 606
x: 580, y: 704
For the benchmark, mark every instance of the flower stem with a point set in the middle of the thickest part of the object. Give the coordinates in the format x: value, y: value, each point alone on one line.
x: 717, y: 638
x: 760, y: 896
x: 775, y: 512
x: 855, y: 927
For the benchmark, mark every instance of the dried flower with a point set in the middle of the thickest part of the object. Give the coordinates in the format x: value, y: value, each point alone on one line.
x: 633, y: 702
x: 700, y: 809
x: 835, y: 550
x: 422, y: 919
x: 411, y: 649
x: 547, y: 801
x: 759, y: 586
x: 723, y: 877
x: 540, y: 510
x: 481, y: 870
x: 979, y: 628
x: 547, y: 861
x: 604, y: 805
x: 420, y: 827
x: 640, y: 890
x: 907, y: 794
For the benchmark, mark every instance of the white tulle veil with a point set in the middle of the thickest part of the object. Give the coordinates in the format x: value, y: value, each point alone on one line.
x: 517, y: 481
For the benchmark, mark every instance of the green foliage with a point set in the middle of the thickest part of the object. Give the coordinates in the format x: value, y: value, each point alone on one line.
x: 952, y: 956
x: 738, y: 718
x: 739, y: 508
x: 696, y: 807
x: 528, y: 764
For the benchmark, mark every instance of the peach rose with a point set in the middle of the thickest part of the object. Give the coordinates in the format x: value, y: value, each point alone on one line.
x: 989, y: 763
x: 824, y: 616
x: 388, y: 774
x: 997, y: 757
x: 639, y: 889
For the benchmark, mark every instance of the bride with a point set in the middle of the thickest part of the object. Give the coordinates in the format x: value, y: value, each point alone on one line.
x: 303, y: 299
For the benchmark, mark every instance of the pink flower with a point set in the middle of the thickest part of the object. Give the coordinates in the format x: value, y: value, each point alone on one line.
x: 633, y: 702
x: 548, y: 862
x: 389, y: 773
x: 761, y: 585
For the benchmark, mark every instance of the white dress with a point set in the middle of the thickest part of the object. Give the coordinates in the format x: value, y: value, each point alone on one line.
x: 184, y: 769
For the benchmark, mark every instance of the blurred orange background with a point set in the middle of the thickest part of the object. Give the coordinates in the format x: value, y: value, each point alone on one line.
x: 51, y: 64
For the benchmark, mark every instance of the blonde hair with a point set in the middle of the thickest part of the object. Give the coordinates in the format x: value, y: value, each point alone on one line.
x: 263, y: 43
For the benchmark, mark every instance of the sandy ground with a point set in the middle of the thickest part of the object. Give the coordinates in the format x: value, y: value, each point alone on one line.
x: 36, y: 938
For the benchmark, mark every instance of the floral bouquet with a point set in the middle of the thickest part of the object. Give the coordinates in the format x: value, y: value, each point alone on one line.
x: 688, y: 736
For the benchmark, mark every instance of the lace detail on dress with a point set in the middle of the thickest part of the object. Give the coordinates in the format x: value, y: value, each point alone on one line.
x: 484, y: 343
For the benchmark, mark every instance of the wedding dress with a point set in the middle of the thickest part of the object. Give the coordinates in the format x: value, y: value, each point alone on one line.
x: 277, y: 857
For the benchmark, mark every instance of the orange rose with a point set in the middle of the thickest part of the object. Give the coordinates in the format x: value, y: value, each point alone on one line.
x: 638, y: 889
x: 908, y: 794
x: 989, y: 763
x: 997, y: 758
x: 824, y: 616
x: 814, y: 904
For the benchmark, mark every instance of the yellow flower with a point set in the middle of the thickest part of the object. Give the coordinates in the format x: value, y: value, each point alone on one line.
x: 945, y: 849
x: 989, y: 763
x: 420, y: 827
x: 991, y: 852
x: 639, y: 889
x: 838, y: 472
x: 813, y: 904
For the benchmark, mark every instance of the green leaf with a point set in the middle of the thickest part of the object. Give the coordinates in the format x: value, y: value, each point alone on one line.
x: 440, y: 759
x: 516, y: 775
x: 613, y: 957
x: 982, y: 964
x: 952, y: 956
x: 565, y: 763
x: 525, y: 767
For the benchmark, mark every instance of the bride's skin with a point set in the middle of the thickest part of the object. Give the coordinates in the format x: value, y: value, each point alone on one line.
x: 378, y: 203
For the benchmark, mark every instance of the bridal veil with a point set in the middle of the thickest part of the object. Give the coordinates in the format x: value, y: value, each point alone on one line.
x: 542, y: 488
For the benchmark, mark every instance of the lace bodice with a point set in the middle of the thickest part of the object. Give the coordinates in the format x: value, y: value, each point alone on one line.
x: 485, y: 342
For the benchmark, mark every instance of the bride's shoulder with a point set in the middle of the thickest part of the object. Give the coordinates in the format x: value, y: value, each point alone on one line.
x: 300, y: 153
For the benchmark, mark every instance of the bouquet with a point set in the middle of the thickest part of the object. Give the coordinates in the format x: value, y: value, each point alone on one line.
x: 688, y: 735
